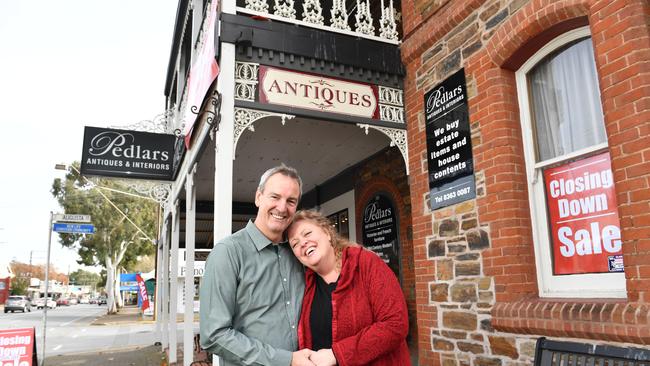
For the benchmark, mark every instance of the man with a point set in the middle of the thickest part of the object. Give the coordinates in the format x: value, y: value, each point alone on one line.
x: 253, y: 285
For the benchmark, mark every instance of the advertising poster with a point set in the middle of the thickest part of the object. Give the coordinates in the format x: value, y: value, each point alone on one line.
x: 449, y: 143
x: 17, y: 347
x: 379, y: 230
x: 583, y: 215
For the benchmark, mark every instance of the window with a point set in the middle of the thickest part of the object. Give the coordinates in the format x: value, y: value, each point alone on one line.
x: 341, y: 223
x: 573, y: 206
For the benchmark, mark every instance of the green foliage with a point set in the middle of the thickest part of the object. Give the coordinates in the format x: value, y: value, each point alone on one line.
x: 76, y: 195
x: 19, y: 286
x: 85, y: 278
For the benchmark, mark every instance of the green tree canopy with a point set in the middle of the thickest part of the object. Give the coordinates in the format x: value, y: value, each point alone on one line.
x: 125, y: 224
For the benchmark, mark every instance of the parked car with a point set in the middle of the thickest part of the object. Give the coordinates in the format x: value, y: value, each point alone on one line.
x: 73, y: 301
x: 84, y: 300
x: 93, y: 300
x: 62, y: 301
x: 40, y: 303
x: 101, y: 301
x: 16, y: 302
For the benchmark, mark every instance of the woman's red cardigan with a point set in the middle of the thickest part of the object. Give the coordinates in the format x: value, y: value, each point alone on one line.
x: 369, y: 316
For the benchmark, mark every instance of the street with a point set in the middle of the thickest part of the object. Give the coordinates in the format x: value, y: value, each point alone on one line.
x: 69, y: 330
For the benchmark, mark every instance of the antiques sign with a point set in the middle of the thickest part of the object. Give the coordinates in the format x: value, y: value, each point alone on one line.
x: 315, y: 92
x: 449, y: 143
x: 585, y: 228
x: 128, y: 154
x: 379, y: 230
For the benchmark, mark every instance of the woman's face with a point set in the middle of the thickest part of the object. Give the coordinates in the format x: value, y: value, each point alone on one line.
x: 311, y: 244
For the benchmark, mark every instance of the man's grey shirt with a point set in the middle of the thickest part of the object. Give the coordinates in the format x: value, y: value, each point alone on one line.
x: 250, y: 300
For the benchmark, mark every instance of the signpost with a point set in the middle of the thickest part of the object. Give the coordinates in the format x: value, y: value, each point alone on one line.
x: 74, y: 228
x: 61, y: 227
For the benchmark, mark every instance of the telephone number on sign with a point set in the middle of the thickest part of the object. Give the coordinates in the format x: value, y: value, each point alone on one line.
x: 457, y: 193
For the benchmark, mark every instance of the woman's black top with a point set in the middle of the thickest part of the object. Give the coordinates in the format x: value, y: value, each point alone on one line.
x: 320, y: 318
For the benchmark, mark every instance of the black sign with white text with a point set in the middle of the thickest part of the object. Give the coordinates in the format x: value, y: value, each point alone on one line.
x: 129, y: 154
x: 449, y: 143
x: 379, y: 230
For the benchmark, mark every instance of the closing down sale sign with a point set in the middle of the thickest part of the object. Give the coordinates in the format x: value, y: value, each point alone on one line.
x: 585, y: 228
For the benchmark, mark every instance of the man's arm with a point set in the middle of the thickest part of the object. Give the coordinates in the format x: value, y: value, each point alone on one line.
x: 218, y: 306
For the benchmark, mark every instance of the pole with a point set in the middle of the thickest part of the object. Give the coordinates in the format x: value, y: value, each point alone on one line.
x: 47, y: 281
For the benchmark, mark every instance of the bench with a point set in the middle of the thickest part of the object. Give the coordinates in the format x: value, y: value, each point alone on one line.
x: 558, y: 353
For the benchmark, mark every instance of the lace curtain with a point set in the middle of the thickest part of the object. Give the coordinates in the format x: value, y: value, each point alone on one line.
x: 566, y: 105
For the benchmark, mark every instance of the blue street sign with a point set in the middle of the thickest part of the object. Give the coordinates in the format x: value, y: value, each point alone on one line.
x: 74, y: 228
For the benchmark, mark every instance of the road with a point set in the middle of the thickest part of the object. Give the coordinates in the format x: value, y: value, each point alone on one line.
x: 69, y: 330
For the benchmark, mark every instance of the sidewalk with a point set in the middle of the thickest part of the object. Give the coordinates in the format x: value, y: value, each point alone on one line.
x: 140, y: 356
x: 127, y: 314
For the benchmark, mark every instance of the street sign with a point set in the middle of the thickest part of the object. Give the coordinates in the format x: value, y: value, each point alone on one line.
x: 74, y: 228
x: 71, y: 218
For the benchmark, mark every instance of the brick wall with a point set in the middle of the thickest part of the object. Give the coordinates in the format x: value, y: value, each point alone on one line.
x: 476, y: 287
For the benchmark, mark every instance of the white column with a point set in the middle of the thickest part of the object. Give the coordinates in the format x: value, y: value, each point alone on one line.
x: 190, y: 224
x: 224, y: 154
x: 159, y: 291
x: 164, y: 288
x: 173, y: 292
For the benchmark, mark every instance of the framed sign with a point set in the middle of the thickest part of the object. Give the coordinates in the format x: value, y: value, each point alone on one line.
x: 379, y: 230
x: 449, y: 143
x: 585, y: 228
x: 130, y: 154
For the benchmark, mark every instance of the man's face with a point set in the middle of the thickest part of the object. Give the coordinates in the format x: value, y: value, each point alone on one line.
x: 276, y: 205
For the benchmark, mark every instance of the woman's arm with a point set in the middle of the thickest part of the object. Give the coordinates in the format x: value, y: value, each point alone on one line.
x: 389, y: 312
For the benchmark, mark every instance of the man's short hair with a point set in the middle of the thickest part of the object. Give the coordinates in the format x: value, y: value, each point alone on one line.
x: 281, y: 169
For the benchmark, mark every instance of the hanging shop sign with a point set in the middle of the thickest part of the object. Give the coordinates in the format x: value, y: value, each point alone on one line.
x: 582, y: 207
x: 449, y: 143
x: 18, y: 347
x: 315, y: 92
x: 379, y: 230
x: 129, y: 154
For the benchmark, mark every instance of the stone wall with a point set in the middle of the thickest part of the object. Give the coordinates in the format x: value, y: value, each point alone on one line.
x: 476, y: 285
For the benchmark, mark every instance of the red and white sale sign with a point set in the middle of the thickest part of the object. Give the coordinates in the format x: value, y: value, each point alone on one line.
x: 585, y: 228
x: 17, y: 347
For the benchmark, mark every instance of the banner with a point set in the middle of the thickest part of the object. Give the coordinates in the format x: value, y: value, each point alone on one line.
x: 144, y: 298
x: 583, y: 212
x: 202, y: 73
x: 18, y: 347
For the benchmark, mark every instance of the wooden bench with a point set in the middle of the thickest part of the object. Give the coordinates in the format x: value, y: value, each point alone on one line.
x: 558, y: 353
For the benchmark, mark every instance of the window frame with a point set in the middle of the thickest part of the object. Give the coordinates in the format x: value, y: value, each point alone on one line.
x: 597, y: 285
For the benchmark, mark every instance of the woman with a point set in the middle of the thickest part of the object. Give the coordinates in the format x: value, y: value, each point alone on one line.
x: 353, y: 311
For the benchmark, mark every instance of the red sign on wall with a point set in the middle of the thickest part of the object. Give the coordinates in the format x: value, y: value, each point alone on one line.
x: 17, y: 347
x: 585, y: 228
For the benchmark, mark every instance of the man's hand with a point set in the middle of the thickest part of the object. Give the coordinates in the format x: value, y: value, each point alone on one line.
x: 324, y: 357
x: 301, y: 358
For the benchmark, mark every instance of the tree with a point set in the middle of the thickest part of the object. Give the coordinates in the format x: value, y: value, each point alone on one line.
x: 126, y: 225
x: 19, y: 286
x: 85, y: 278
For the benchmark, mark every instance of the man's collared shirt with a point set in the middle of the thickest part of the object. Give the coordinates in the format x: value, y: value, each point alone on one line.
x: 250, y: 296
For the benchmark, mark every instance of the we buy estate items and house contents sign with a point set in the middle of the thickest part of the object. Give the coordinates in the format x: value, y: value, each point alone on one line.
x: 585, y: 228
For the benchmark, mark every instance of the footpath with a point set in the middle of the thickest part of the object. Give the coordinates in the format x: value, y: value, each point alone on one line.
x: 142, y: 355
x: 152, y: 355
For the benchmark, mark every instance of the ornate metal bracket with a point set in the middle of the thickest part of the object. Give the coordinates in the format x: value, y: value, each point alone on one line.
x: 397, y: 138
x: 244, y: 119
x: 213, y: 110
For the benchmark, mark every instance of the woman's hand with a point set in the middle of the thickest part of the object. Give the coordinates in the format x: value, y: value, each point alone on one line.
x: 324, y: 357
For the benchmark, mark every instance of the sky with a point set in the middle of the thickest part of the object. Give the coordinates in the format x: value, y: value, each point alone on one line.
x: 65, y: 65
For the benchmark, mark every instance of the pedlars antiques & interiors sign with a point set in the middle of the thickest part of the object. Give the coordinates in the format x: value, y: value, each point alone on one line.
x: 129, y: 154
x: 315, y: 92
x: 449, y: 143
x: 379, y: 230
